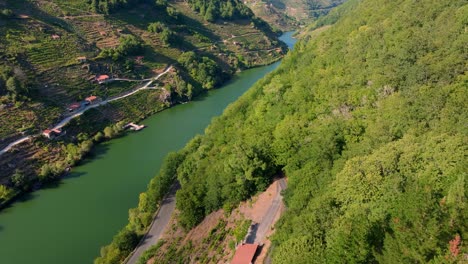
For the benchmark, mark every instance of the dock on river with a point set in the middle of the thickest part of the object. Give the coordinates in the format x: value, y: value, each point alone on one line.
x: 133, y: 126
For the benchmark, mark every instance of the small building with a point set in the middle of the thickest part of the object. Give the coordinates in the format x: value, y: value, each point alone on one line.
x: 245, y: 254
x: 81, y: 59
x: 102, y: 78
x: 103, y: 33
x: 73, y: 107
x: 91, y: 99
x: 51, y: 133
x: 47, y: 133
x: 55, y: 36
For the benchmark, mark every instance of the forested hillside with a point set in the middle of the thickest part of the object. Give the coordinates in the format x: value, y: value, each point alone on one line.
x: 367, y: 119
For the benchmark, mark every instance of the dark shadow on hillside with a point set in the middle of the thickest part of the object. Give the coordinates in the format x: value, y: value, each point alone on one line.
x: 199, y: 27
x: 139, y: 16
x: 26, y: 7
x: 221, y: 63
x: 151, y: 55
x: 252, y: 234
x: 183, y: 45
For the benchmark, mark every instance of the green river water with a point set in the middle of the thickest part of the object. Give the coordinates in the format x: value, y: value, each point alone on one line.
x: 69, y: 223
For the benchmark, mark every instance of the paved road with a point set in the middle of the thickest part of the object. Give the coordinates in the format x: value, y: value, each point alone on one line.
x: 158, y: 226
x: 12, y: 144
x: 69, y: 118
x: 259, y: 231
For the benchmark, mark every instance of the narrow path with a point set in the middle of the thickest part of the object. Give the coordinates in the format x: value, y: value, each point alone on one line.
x: 238, y: 36
x: 69, y: 118
x: 128, y: 80
x: 157, y: 228
x: 80, y: 16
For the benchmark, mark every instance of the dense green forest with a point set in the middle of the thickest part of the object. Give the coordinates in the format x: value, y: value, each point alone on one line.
x: 367, y: 119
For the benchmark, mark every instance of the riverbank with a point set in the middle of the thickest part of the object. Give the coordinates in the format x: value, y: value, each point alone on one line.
x: 48, y: 172
x: 92, y: 126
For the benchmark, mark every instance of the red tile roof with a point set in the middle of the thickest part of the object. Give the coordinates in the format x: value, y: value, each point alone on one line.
x: 57, y: 131
x: 244, y: 254
x: 47, y: 131
x: 103, y: 77
x: 91, y: 98
x: 75, y: 106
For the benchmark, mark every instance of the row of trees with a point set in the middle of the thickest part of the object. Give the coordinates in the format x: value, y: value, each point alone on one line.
x: 166, y: 35
x: 12, y: 86
x: 140, y: 218
x: 214, y: 9
x: 202, y: 69
x: 110, y: 6
x: 128, y: 45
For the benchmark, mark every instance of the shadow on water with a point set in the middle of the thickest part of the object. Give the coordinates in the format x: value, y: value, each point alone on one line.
x: 74, y: 175
x: 22, y: 198
x: 98, y: 152
x: 205, y: 94
x: 201, y: 97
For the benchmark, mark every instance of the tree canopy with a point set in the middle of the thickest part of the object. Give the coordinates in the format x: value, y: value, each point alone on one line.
x: 214, y: 9
x: 368, y: 121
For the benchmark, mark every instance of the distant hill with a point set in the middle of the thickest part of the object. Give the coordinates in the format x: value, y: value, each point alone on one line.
x: 287, y: 14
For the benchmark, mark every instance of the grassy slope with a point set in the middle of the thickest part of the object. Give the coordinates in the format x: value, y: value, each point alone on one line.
x: 55, y: 78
